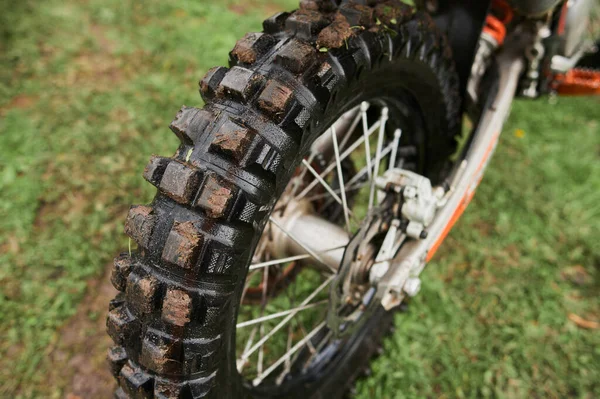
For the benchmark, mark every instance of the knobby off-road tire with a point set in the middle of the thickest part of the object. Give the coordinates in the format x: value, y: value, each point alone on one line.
x: 173, y: 322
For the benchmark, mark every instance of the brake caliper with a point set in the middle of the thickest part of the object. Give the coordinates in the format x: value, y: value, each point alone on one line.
x: 417, y: 202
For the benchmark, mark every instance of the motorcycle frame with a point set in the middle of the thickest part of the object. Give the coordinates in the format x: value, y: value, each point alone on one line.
x: 463, y: 21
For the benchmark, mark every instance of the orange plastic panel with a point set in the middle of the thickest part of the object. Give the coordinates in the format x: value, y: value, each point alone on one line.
x: 579, y: 82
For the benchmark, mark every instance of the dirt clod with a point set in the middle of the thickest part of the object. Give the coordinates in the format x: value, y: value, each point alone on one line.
x: 139, y: 224
x: 336, y: 34
x: 182, y: 245
x: 274, y: 98
x: 244, y: 49
x: 179, y: 182
x: 215, y: 197
x: 309, y: 5
x: 393, y: 12
x: 296, y: 56
x: 142, y: 292
x: 233, y: 139
x: 177, y: 307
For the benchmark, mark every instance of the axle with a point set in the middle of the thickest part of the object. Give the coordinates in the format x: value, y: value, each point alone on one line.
x: 302, y: 230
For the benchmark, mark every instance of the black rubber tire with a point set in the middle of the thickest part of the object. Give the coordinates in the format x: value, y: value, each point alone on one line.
x: 173, y: 322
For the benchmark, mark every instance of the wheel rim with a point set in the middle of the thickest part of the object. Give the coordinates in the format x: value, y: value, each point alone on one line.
x: 285, y: 334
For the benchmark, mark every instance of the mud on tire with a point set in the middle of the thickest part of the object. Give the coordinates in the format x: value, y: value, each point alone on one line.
x: 173, y: 322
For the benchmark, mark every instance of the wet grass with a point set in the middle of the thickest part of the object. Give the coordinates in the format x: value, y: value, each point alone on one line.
x: 87, y: 90
x: 495, y: 317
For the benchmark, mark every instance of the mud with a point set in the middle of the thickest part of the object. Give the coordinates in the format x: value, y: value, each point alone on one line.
x: 312, y: 5
x: 336, y: 34
x: 215, y: 197
x: 244, y: 49
x: 274, y: 98
x: 393, y: 12
x: 233, y: 139
x: 179, y: 182
x: 353, y: 18
x: 122, y: 268
x: 177, y: 307
x: 139, y: 224
x: 142, y: 292
x: 182, y: 245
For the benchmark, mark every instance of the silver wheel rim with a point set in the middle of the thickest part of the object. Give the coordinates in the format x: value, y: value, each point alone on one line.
x: 272, y: 332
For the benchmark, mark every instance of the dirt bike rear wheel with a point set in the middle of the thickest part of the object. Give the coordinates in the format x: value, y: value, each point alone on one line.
x: 174, y: 321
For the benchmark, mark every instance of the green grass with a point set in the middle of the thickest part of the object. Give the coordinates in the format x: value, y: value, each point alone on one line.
x: 87, y: 89
x: 492, y: 319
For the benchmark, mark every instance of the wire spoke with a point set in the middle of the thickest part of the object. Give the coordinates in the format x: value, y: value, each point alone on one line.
x: 300, y: 177
x: 352, y: 183
x: 288, y: 354
x: 383, y: 119
x: 319, y: 347
x: 363, y: 112
x: 395, y: 144
x: 332, y: 166
x: 363, y: 171
x: 298, y: 320
x: 265, y: 284
x: 336, y: 150
x: 247, y: 285
x: 277, y: 315
x: 242, y: 362
x: 290, y: 259
x: 306, y: 301
x: 323, y: 182
x: 350, y: 131
x: 278, y: 261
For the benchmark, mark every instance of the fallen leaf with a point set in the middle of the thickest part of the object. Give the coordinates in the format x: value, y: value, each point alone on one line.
x: 583, y: 323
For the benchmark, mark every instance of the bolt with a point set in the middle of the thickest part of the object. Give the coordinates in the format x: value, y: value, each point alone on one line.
x: 439, y: 192
x: 410, y: 192
x: 412, y: 286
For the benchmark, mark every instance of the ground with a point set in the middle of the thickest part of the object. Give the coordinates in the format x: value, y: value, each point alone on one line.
x: 509, y: 306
